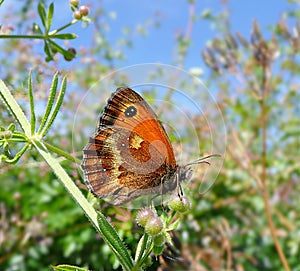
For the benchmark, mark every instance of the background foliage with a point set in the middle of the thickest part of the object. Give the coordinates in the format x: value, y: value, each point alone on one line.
x: 234, y: 226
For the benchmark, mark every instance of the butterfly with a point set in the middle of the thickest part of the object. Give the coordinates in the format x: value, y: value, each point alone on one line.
x: 130, y: 154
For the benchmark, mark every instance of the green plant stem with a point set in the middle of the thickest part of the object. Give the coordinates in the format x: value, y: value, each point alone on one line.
x: 68, y: 183
x: 263, y: 119
x: 41, y: 37
x: 62, y: 28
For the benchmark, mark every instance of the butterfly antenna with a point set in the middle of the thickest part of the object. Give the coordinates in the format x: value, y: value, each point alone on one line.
x: 203, y: 160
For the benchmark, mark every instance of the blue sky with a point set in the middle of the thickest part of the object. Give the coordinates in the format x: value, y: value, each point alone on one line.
x: 159, y: 43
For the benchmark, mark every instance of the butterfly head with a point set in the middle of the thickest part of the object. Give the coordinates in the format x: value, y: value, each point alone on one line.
x: 184, y: 173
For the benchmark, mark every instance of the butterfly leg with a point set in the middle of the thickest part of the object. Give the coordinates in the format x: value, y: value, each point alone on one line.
x: 161, y: 193
x: 179, y: 187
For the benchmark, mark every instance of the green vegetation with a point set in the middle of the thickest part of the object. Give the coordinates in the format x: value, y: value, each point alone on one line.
x: 248, y: 220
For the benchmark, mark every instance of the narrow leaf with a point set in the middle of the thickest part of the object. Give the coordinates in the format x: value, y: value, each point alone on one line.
x: 66, y: 36
x: 174, y: 225
x: 112, y: 239
x: 47, y: 51
x: 141, y: 247
x: 60, y: 152
x: 11, y: 127
x: 17, y: 134
x: 147, y: 252
x: 66, y: 267
x: 61, y: 50
x: 57, y: 106
x: 36, y: 29
x: 57, y: 47
x: 50, y: 16
x: 32, y: 111
x: 16, y: 158
x: 14, y: 108
x: 50, y: 102
x: 42, y: 13
x: 17, y: 139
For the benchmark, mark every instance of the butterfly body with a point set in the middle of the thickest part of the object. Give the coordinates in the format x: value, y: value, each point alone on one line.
x: 130, y: 155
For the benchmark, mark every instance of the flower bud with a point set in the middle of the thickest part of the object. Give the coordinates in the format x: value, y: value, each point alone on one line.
x: 143, y: 216
x: 179, y: 204
x: 77, y: 15
x: 154, y: 226
x: 71, y: 50
x: 74, y: 3
x: 84, y: 10
x: 6, y: 134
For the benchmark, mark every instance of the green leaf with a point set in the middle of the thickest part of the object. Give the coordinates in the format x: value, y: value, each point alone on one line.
x: 59, y: 151
x: 66, y: 36
x: 140, y: 250
x: 61, y: 50
x: 168, y: 238
x: 145, y: 254
x: 16, y: 158
x: 47, y: 51
x: 66, y: 267
x: 50, y: 16
x: 19, y: 136
x: 57, y: 47
x: 36, y: 29
x: 50, y: 102
x: 2, y: 157
x: 57, y: 106
x: 14, y: 108
x: 113, y: 240
x: 42, y: 13
x: 293, y: 132
x: 174, y: 225
x: 32, y: 111
x: 11, y: 127
x: 158, y: 250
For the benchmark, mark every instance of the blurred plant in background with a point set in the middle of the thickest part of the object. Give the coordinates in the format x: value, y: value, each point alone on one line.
x: 249, y: 220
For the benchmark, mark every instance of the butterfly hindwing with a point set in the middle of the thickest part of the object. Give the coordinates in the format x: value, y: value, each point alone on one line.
x: 130, y: 152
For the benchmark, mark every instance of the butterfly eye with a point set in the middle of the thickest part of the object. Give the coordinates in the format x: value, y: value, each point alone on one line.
x: 130, y: 111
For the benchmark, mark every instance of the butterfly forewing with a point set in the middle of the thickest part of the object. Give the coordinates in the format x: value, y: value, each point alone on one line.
x: 130, y: 152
